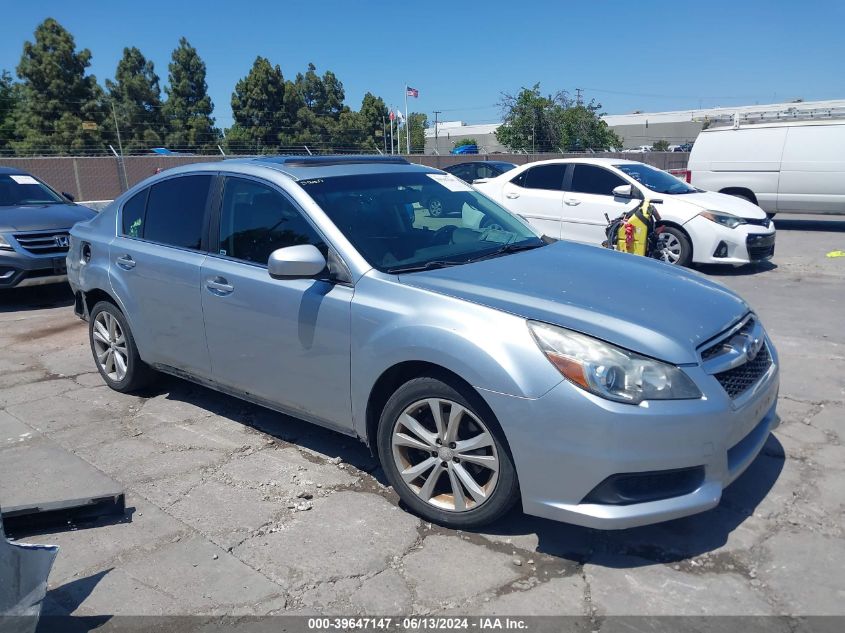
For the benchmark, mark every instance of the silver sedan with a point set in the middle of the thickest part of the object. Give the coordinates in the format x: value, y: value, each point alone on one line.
x: 484, y: 364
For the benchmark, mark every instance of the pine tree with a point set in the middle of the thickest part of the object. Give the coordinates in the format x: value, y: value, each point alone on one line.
x: 136, y: 96
x: 188, y: 107
x: 9, y: 97
x: 373, y: 118
x: 258, y: 107
x: 58, y: 97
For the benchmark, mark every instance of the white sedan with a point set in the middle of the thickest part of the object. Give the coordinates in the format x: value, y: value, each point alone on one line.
x: 568, y: 199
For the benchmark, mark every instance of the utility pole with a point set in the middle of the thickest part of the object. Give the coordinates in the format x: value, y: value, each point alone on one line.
x: 384, y: 133
x: 436, y: 146
x: 120, y: 147
x: 578, y: 92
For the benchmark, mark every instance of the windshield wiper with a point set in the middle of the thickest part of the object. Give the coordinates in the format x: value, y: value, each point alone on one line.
x: 508, y: 248
x: 427, y: 266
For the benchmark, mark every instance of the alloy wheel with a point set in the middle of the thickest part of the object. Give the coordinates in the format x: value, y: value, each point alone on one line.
x: 110, y: 346
x: 445, y: 454
x: 435, y: 207
x: 668, y: 248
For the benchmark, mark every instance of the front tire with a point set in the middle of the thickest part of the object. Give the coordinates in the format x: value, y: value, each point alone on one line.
x: 114, y: 350
x: 445, y: 455
x: 436, y: 207
x: 673, y: 247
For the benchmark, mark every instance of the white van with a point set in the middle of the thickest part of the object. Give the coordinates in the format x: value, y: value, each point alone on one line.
x: 788, y: 166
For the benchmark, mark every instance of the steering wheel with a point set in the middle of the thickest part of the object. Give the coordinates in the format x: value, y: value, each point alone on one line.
x: 443, y: 235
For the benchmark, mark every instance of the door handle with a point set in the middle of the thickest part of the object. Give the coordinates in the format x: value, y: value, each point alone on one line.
x: 512, y: 195
x: 572, y: 202
x: 219, y: 286
x: 126, y: 262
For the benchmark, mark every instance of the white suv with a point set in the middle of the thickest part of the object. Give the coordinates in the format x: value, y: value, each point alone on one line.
x: 568, y: 199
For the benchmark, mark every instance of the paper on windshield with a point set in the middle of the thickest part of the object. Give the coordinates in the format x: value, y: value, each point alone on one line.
x: 23, y: 180
x: 450, y: 182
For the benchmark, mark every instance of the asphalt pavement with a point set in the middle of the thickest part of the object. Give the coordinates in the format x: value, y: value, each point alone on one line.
x: 234, y: 509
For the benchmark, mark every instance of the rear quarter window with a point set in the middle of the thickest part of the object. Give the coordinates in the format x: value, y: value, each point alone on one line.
x: 133, y: 214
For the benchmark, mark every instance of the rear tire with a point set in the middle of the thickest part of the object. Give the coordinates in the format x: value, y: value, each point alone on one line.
x: 114, y: 350
x: 458, y: 473
x: 673, y: 247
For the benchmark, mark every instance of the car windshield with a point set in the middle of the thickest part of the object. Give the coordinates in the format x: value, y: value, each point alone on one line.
x: 405, y: 222
x: 501, y: 165
x: 655, y: 179
x: 19, y: 190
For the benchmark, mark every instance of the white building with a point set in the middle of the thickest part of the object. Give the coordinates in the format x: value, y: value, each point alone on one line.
x: 640, y: 128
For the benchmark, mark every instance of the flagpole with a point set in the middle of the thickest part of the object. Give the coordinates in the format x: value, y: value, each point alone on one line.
x: 407, y: 123
x: 391, y: 133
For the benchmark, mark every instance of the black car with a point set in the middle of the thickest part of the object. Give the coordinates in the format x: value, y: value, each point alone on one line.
x: 468, y: 172
x: 35, y: 222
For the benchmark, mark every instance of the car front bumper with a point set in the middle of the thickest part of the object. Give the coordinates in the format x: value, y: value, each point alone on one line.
x: 18, y: 270
x: 567, y: 443
x: 713, y: 243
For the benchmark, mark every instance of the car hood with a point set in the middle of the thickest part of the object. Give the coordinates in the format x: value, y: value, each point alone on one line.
x: 43, y: 218
x: 712, y: 201
x: 634, y: 302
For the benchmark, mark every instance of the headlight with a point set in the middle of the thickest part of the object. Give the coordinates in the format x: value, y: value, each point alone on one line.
x: 725, y: 219
x: 609, y: 371
x: 4, y: 244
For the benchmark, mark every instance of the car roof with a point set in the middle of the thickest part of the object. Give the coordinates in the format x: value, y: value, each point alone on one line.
x: 309, y: 167
x: 607, y: 162
x: 11, y: 170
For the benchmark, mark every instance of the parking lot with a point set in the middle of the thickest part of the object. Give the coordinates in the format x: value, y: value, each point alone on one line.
x: 239, y: 510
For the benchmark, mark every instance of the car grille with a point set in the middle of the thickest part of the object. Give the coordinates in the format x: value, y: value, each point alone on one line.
x: 737, y: 380
x: 45, y: 243
x: 760, y: 247
x: 719, y: 347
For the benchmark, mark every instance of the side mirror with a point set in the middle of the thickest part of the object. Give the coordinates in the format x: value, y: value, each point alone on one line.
x: 68, y: 196
x: 623, y: 191
x: 296, y: 262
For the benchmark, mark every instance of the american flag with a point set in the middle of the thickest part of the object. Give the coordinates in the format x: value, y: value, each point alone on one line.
x: 412, y: 92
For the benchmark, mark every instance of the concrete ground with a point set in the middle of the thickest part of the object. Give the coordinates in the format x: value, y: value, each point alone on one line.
x: 234, y: 509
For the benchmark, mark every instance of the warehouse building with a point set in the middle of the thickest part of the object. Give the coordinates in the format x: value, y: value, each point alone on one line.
x: 636, y: 129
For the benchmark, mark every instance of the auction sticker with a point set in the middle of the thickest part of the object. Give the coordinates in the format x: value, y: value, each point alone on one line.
x: 450, y: 182
x: 23, y: 180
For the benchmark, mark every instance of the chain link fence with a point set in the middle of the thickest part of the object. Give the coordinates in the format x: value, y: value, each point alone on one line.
x: 105, y: 178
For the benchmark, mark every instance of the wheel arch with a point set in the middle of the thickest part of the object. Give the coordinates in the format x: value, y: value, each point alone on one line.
x: 394, y: 377
x: 740, y: 192
x: 680, y: 228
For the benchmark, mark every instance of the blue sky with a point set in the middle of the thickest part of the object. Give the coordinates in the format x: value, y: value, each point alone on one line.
x: 631, y: 55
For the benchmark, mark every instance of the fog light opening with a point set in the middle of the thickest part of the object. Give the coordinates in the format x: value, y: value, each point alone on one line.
x: 721, y: 250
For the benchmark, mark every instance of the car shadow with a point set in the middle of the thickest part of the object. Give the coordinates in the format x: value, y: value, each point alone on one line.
x: 63, y: 600
x: 809, y: 224
x: 36, y: 298
x: 317, y: 439
x: 755, y: 268
x: 661, y: 543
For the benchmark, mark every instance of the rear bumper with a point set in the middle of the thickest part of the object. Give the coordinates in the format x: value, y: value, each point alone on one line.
x: 567, y: 444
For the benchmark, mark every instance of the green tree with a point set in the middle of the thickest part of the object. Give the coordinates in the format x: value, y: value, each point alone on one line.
x: 188, y: 107
x: 258, y: 107
x: 582, y: 128
x: 9, y: 98
x: 57, y: 96
x: 552, y: 123
x: 465, y: 141
x: 661, y: 146
x: 136, y: 96
x: 418, y: 122
x: 373, y: 120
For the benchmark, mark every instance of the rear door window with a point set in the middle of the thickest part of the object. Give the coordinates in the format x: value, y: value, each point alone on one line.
x: 542, y: 177
x: 594, y: 180
x: 176, y: 211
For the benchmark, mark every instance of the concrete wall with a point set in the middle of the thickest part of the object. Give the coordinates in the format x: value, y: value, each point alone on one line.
x: 102, y: 178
